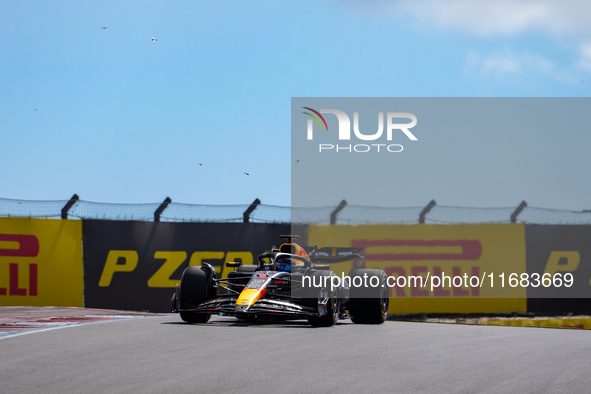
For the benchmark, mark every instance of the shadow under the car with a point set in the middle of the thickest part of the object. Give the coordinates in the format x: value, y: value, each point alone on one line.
x: 229, y: 321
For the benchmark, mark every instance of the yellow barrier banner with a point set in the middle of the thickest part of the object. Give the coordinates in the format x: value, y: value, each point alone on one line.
x: 41, y: 262
x: 439, y: 268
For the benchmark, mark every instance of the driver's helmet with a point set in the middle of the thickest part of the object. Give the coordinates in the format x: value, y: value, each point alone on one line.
x: 284, y: 263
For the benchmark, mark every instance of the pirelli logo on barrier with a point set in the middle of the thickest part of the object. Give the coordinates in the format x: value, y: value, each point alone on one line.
x: 19, y: 245
x: 439, y: 269
x: 40, y: 262
x: 440, y: 251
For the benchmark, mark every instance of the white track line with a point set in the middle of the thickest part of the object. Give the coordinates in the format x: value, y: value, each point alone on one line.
x: 59, y: 325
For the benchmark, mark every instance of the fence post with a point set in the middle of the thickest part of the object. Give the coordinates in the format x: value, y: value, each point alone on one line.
x: 161, y: 209
x: 251, y: 208
x: 517, y: 211
x: 334, y: 214
x: 426, y: 210
x: 69, y: 205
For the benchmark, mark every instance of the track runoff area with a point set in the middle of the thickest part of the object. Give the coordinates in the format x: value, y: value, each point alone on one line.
x: 160, y: 353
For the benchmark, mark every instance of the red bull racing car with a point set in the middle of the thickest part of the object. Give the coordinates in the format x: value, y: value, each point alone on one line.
x: 290, y: 282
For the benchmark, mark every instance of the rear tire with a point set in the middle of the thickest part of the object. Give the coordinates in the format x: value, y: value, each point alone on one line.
x: 369, y: 305
x: 196, y: 287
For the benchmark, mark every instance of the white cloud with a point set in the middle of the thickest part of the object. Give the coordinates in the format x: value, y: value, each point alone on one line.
x: 490, y: 17
x: 508, y: 63
x: 504, y: 18
x: 499, y: 63
x: 482, y: 17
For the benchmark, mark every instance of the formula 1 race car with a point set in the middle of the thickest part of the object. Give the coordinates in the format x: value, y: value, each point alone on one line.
x: 287, y: 283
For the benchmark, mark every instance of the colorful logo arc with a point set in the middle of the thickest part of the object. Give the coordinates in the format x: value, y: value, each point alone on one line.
x: 315, y: 118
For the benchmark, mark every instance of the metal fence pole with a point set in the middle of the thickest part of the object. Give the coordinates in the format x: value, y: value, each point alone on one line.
x: 334, y: 214
x: 161, y: 209
x: 517, y: 211
x: 426, y: 210
x: 69, y: 205
x: 251, y: 208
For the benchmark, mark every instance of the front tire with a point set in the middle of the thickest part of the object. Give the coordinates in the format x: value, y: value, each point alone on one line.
x: 331, y: 316
x: 320, y: 293
x: 196, y: 287
x: 194, y: 317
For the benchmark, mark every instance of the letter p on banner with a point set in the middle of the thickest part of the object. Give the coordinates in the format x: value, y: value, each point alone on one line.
x: 130, y: 258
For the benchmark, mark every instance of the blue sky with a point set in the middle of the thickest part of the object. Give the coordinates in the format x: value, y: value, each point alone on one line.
x: 114, y: 117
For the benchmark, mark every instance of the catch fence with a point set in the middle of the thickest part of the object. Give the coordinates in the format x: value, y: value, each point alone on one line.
x: 257, y: 212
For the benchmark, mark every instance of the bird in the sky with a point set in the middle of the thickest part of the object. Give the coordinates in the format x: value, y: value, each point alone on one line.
x: 105, y: 27
x: 200, y: 164
x: 154, y: 39
x: 246, y: 173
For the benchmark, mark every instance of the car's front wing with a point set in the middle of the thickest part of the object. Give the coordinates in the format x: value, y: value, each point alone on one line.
x: 226, y: 305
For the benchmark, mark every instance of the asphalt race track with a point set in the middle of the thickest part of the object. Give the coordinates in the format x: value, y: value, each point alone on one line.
x: 162, y: 354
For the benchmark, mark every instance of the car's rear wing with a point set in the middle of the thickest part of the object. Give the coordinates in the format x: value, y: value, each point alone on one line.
x: 331, y: 255
x: 316, y: 252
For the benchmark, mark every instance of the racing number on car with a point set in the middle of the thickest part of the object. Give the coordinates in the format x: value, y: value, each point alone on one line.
x: 121, y: 261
